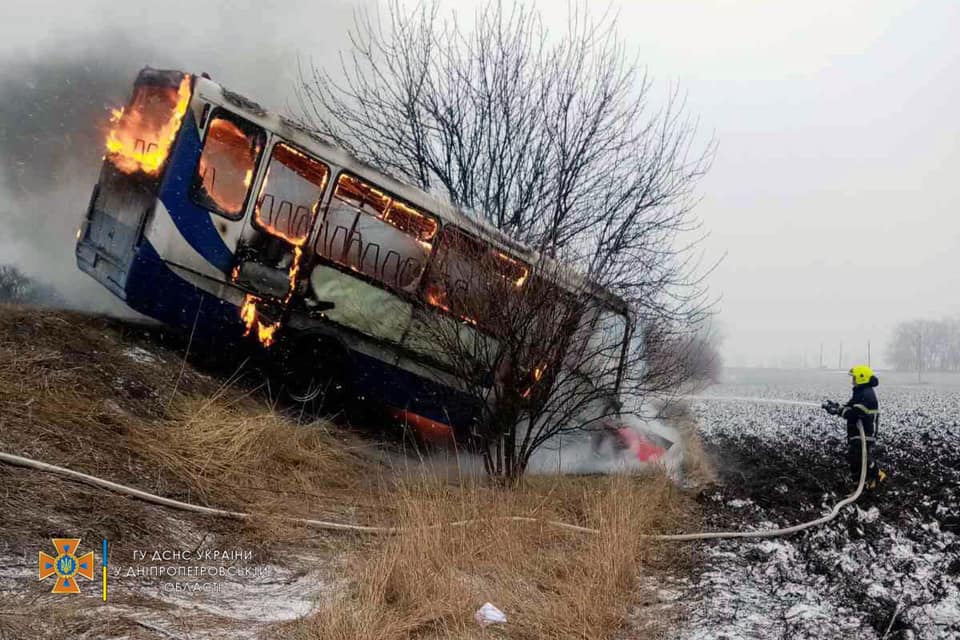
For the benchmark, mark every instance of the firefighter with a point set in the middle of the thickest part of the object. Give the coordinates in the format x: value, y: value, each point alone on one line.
x: 862, y: 408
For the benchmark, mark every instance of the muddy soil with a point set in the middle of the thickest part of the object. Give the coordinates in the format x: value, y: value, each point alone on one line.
x: 887, y: 568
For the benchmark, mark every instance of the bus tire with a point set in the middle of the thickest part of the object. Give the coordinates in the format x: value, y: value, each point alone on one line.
x: 314, y: 372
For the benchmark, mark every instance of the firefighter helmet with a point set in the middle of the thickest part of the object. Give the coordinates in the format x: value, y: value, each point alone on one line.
x: 861, y: 374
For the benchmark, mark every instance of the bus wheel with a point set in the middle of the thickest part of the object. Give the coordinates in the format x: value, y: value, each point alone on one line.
x: 312, y: 375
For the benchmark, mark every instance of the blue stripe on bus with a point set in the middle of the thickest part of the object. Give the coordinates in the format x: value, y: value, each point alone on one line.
x: 155, y: 290
x: 193, y: 222
x: 400, y: 388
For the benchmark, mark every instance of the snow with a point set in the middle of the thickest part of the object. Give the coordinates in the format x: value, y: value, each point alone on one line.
x: 274, y: 594
x: 887, y: 567
x: 141, y: 355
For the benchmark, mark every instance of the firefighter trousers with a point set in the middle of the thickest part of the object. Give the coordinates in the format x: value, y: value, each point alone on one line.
x: 854, y: 453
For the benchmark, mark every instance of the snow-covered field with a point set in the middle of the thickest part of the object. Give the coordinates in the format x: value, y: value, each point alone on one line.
x: 887, y: 568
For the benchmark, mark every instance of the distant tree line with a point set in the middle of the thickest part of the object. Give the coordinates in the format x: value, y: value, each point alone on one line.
x: 926, y: 345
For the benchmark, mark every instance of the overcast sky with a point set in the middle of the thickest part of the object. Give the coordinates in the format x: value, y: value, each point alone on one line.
x: 833, y: 193
x: 835, y: 189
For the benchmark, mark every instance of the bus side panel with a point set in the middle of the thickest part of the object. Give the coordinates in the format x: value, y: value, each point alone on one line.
x: 207, y: 235
x: 155, y: 290
x: 182, y: 234
x: 402, y: 389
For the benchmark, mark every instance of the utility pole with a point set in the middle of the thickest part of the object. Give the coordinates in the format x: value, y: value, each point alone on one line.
x: 869, y: 364
x: 821, y: 355
x: 919, y: 354
x: 840, y: 358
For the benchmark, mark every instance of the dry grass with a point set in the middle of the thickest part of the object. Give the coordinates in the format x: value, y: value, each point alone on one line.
x: 238, y: 453
x: 427, y: 583
x: 71, y: 394
x: 698, y: 470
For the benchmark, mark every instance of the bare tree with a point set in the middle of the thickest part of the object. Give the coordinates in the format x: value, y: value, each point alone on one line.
x: 536, y: 347
x: 926, y: 345
x: 550, y: 139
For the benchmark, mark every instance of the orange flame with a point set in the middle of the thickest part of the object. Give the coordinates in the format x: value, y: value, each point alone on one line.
x: 248, y: 311
x: 537, y: 374
x: 250, y: 317
x: 265, y: 333
x: 140, y: 139
x: 437, y: 297
x: 294, y: 270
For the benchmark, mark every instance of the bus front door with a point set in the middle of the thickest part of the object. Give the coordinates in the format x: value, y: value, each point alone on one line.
x: 273, y: 244
x: 137, y: 147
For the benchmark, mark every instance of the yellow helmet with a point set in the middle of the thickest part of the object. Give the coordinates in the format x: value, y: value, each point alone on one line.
x: 861, y: 374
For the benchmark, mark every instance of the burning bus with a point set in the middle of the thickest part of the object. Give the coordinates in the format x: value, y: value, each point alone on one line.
x: 214, y: 216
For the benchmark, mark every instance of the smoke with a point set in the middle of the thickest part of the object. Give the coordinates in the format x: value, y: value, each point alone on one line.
x: 53, y: 113
x: 62, y: 72
x: 577, y: 453
x: 584, y: 453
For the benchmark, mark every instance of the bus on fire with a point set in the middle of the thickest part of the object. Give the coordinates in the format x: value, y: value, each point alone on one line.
x: 214, y: 216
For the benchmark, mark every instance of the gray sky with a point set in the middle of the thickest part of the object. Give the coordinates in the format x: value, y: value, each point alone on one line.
x: 832, y: 193
x: 835, y: 189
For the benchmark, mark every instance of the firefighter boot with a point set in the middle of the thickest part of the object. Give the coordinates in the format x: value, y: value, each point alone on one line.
x: 877, y: 482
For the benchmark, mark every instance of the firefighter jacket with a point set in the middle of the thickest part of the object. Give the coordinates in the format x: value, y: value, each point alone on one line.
x: 862, y: 406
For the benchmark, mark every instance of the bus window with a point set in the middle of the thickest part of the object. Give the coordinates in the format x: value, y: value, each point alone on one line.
x: 373, y: 233
x: 604, y: 346
x: 227, y: 164
x: 468, y: 277
x: 290, y: 194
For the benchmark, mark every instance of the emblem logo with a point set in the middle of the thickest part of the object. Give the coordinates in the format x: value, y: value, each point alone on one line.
x: 66, y: 565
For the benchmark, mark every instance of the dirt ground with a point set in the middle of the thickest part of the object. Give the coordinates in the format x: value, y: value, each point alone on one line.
x: 889, y: 568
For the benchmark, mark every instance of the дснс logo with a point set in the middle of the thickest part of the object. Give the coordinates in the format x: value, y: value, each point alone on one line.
x: 66, y: 565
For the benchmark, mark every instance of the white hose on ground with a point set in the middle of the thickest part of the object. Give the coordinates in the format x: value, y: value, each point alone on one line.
x: 786, y: 531
x: 29, y: 463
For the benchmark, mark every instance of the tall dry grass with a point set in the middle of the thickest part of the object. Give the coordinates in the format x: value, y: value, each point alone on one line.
x: 71, y: 394
x: 698, y: 469
x: 240, y: 453
x: 427, y: 581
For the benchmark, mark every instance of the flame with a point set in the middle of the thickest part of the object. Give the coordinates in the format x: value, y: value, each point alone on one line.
x: 511, y: 264
x: 537, y: 374
x: 406, y: 218
x: 265, y: 333
x: 248, y: 310
x: 437, y: 297
x: 294, y: 270
x: 140, y: 139
x: 250, y: 317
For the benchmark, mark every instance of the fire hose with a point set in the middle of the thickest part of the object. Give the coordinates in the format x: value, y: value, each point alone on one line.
x: 139, y: 494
